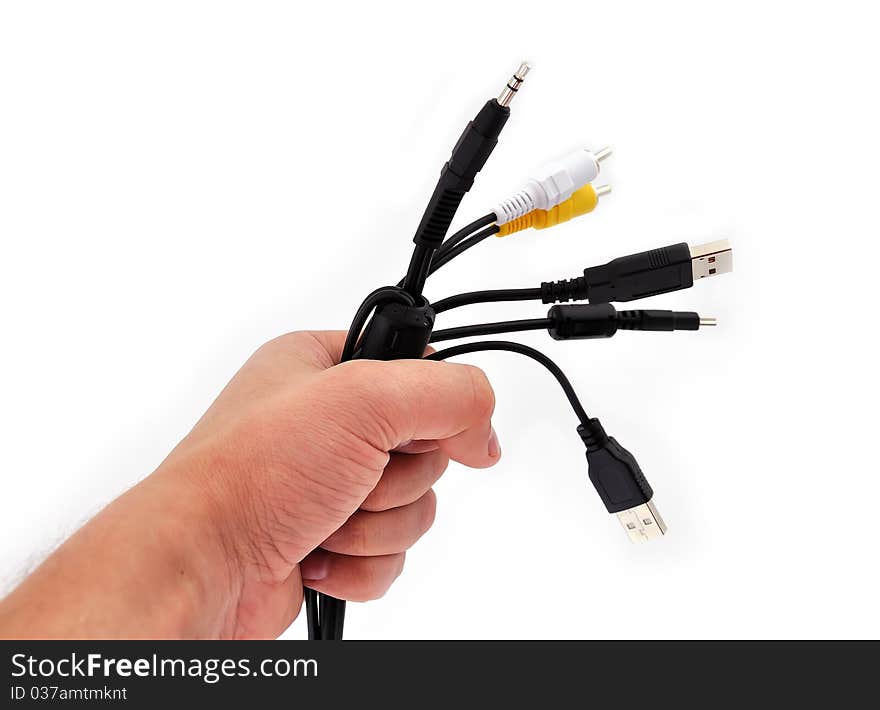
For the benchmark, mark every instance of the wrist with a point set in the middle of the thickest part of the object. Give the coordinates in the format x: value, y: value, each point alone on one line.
x: 198, y: 535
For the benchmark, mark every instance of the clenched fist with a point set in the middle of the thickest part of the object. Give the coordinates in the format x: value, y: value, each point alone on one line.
x: 302, y: 472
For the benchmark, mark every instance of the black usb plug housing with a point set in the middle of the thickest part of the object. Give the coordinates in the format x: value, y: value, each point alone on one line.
x: 621, y: 484
x: 648, y: 273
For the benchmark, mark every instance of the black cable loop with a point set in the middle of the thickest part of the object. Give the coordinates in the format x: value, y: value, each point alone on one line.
x: 537, y: 355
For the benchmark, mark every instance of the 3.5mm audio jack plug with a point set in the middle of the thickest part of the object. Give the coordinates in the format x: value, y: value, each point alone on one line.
x: 509, y: 91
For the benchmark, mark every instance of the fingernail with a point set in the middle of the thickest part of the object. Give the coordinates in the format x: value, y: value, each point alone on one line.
x: 315, y: 567
x: 494, y: 446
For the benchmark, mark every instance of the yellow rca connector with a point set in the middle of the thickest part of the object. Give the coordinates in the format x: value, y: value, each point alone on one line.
x: 581, y: 202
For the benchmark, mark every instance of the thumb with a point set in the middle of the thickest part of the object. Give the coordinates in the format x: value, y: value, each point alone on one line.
x: 386, y: 404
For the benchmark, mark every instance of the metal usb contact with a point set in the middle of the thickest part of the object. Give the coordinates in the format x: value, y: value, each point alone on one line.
x: 711, y: 259
x: 643, y: 522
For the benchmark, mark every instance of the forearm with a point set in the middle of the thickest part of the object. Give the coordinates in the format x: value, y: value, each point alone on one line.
x: 145, y: 567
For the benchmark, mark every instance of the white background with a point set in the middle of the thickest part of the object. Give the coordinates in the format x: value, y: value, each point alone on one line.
x: 181, y: 181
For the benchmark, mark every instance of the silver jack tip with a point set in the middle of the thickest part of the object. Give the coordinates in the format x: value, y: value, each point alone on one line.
x: 602, y: 190
x: 602, y: 153
x: 524, y: 68
x: 509, y: 91
x: 708, y: 322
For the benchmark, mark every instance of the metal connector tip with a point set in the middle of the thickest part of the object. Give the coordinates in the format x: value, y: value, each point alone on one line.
x: 602, y: 153
x: 602, y: 190
x: 509, y: 91
x: 642, y: 523
x: 708, y: 322
x: 711, y: 259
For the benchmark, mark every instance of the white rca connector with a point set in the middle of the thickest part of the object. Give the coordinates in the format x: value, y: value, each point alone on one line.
x: 552, y: 184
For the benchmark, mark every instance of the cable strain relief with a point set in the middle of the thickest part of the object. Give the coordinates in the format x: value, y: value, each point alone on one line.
x: 514, y: 207
x: 564, y: 290
x: 630, y: 320
x: 593, y: 434
x: 518, y: 224
x: 438, y: 216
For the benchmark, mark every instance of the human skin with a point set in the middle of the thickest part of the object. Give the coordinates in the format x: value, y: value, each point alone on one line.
x: 301, y: 473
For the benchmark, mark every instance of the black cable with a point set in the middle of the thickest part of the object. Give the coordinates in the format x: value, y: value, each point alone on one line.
x: 465, y: 232
x: 325, y: 615
x: 508, y: 326
x: 458, y: 249
x: 312, y: 621
x: 468, y: 157
x: 332, y: 617
x: 627, y: 278
x: 537, y: 355
x: 333, y: 630
x: 424, y: 271
x: 385, y: 294
x: 493, y: 296
x: 613, y: 470
x: 414, y: 281
x: 582, y: 321
x: 418, y: 262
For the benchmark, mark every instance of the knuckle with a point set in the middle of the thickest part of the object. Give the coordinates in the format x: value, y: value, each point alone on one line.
x: 360, y: 537
x: 441, y: 463
x: 370, y: 583
x: 375, y: 577
x: 352, y: 538
x: 400, y: 560
x: 358, y: 398
x: 303, y: 346
x: 386, y: 571
x: 378, y: 499
x: 427, y: 510
x: 482, y: 392
x: 297, y: 337
x: 356, y: 375
x: 295, y: 340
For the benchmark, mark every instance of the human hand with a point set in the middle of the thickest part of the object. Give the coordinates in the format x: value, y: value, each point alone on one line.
x: 314, y: 456
x: 299, y: 473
